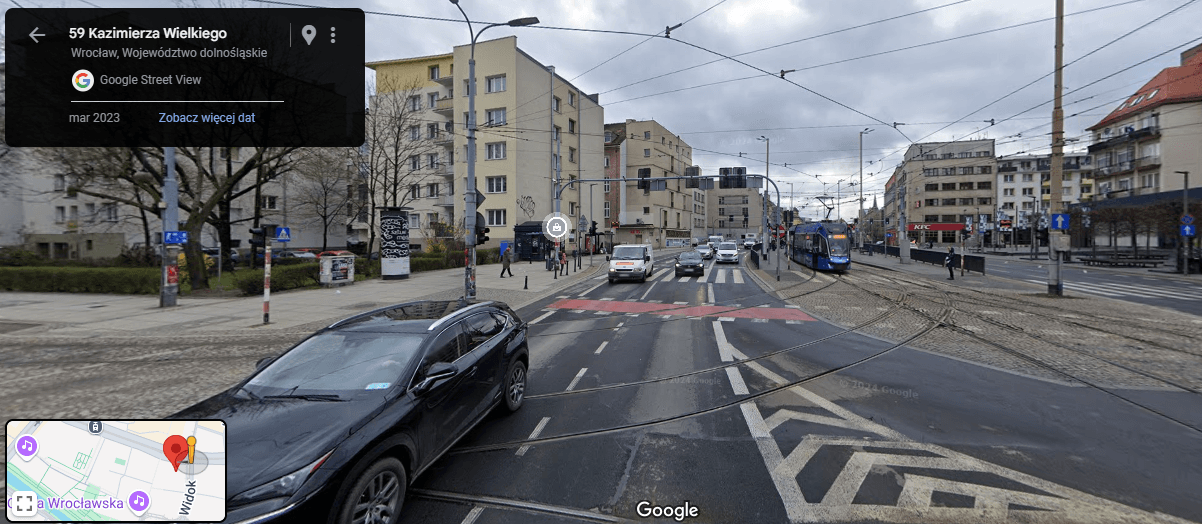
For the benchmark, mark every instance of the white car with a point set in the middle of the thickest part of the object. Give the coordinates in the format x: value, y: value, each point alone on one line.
x: 727, y: 252
x: 748, y: 242
x: 631, y: 262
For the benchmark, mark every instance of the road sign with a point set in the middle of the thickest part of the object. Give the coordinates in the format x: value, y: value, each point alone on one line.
x: 283, y: 234
x: 1060, y: 221
x: 1187, y: 220
x: 1188, y: 230
x: 175, y: 237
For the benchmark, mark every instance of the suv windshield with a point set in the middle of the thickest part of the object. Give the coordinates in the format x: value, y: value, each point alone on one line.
x: 628, y: 253
x: 690, y: 257
x: 342, y: 362
x: 727, y: 246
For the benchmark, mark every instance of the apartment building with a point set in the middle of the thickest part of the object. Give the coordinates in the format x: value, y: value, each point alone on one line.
x: 1141, y: 145
x: 1024, y: 190
x: 645, y: 149
x: 948, y: 186
x: 737, y: 213
x: 532, y: 127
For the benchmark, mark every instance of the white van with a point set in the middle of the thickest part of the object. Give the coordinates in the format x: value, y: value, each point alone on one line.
x: 631, y: 262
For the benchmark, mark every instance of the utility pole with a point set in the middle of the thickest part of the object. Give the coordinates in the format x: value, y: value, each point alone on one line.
x: 860, y: 225
x: 903, y: 237
x: 168, y: 290
x: 763, y: 238
x: 1186, y: 242
x: 1057, y: 238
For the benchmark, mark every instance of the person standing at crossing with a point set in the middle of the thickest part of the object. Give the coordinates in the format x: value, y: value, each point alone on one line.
x: 505, y: 261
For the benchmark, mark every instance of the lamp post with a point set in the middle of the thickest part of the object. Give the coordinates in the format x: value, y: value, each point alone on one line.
x: 859, y: 229
x: 592, y: 245
x: 1034, y: 212
x: 469, y: 194
x: 763, y: 230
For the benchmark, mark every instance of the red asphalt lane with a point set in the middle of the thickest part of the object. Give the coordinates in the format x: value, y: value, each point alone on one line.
x: 617, y: 306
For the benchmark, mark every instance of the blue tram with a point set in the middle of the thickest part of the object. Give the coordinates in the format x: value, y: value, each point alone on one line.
x: 822, y: 245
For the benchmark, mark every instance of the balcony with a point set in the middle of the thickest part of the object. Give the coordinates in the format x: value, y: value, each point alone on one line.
x: 1010, y: 169
x: 445, y: 80
x: 1147, y: 132
x: 1149, y: 161
x: 446, y: 201
x: 445, y: 106
x: 445, y: 139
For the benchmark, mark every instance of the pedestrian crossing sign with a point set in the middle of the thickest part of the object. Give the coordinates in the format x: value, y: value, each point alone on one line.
x: 283, y: 234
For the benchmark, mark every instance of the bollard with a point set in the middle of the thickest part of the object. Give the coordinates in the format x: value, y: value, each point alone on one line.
x: 526, y: 284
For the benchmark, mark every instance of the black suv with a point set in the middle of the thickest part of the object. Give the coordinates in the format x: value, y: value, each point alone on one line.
x: 340, y: 424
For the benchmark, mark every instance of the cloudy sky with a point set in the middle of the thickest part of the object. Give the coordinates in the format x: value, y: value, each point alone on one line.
x: 938, y: 91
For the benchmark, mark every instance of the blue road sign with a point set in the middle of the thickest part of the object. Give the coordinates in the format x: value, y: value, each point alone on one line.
x: 1060, y: 221
x: 889, y: 235
x: 1187, y: 220
x: 175, y: 237
x: 1188, y: 230
x: 283, y: 234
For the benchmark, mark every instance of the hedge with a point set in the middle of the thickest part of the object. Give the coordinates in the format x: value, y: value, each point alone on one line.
x: 283, y: 278
x: 127, y: 281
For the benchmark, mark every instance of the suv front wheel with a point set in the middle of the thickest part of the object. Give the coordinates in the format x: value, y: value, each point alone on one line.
x: 515, y: 384
x: 376, y: 495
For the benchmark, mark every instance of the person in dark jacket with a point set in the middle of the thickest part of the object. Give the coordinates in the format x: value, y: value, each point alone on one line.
x: 951, y: 274
x: 505, y: 262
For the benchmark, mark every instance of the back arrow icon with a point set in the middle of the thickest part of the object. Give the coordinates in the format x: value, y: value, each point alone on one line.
x: 35, y: 34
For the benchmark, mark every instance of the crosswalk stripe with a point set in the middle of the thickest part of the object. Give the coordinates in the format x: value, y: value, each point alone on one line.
x: 685, y: 279
x: 1159, y: 291
x: 738, y: 276
x: 1087, y: 290
x: 721, y: 278
x: 659, y: 274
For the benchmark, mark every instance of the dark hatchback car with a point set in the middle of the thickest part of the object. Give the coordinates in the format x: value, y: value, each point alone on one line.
x: 337, y: 427
x: 690, y: 263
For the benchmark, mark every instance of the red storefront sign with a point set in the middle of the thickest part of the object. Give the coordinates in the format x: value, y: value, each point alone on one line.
x: 935, y: 227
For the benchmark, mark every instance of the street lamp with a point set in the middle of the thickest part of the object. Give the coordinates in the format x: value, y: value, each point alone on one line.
x: 469, y: 197
x: 764, y: 239
x: 1186, y: 242
x: 1034, y: 211
x: 859, y: 230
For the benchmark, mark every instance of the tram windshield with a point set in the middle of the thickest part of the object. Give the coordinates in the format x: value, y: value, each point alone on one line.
x: 839, y: 245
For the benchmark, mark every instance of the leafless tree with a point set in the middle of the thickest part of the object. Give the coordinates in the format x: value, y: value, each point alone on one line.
x: 324, y: 188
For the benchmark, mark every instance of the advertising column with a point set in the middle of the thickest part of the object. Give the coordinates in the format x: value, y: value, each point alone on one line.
x: 394, y: 243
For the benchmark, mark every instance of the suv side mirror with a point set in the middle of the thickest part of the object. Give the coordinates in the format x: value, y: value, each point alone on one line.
x: 438, y: 371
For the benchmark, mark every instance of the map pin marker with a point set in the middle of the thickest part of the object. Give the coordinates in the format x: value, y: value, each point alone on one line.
x: 175, y: 448
x: 309, y: 32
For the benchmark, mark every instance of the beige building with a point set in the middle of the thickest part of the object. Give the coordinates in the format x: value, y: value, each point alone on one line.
x: 737, y: 213
x: 532, y: 125
x: 947, y: 185
x: 646, y: 149
x: 1024, y: 190
x: 1139, y: 147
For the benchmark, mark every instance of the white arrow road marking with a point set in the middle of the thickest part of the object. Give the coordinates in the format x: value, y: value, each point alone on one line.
x: 1041, y: 501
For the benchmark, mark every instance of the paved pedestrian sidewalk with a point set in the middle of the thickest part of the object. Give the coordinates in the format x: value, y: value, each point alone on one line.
x: 88, y: 314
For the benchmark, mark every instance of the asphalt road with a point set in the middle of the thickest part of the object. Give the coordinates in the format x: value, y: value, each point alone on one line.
x: 1148, y: 289
x: 905, y: 437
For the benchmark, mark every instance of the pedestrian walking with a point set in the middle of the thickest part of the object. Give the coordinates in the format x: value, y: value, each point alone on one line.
x: 951, y: 274
x: 505, y: 261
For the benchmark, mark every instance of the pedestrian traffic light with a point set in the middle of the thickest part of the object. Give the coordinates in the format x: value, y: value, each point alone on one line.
x: 592, y: 230
x: 481, y: 230
x: 260, y: 235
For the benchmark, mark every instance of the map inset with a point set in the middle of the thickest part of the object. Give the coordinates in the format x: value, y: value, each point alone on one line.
x: 109, y: 470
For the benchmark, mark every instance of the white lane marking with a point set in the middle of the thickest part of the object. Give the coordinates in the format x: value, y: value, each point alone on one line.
x: 544, y: 315
x: 760, y: 320
x: 603, y: 312
x: 738, y: 274
x: 473, y: 515
x: 598, y: 351
x: 711, y: 293
x: 792, y: 321
x: 577, y: 379
x: 590, y: 290
x: 685, y: 279
x: 658, y: 274
x: 705, y: 273
x: 607, y: 298
x: 648, y: 291
x: 578, y: 311
x: 721, y: 278
x: 725, y: 348
x: 736, y: 380
x: 534, y: 434
x: 726, y: 319
x: 680, y: 303
x: 620, y: 324
x: 1158, y: 291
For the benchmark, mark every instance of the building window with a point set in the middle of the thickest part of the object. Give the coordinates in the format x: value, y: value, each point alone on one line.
x: 966, y: 171
x: 110, y: 212
x: 432, y: 190
x: 495, y: 117
x: 496, y: 184
x: 267, y: 202
x: 431, y: 218
x: 555, y: 162
x: 984, y: 201
x: 932, y: 187
x: 606, y: 161
x: 90, y: 210
x: 605, y: 208
x: 60, y: 214
x: 415, y: 191
x: 571, y: 126
x: 415, y: 163
x: 555, y: 104
x: 433, y: 72
x: 496, y: 217
x: 949, y: 202
x: 572, y: 99
x: 930, y: 202
x: 432, y: 160
x: 571, y: 209
x: 984, y: 185
x: 646, y: 135
x: 415, y: 221
x: 609, y: 136
x: 415, y: 133
x: 1067, y: 177
x: 930, y: 218
x: 60, y: 183
x: 1008, y: 191
x: 1028, y: 191
x: 432, y: 99
x: 965, y: 186
x: 572, y: 155
x: 1028, y: 177
x: 646, y: 153
x: 431, y: 131
x: 966, y: 201
x: 466, y: 87
x: 646, y: 210
x: 950, y: 186
x: 985, y: 170
x: 607, y: 186
x: 494, y: 84
x: 495, y: 151
x: 1008, y: 178
x: 415, y: 103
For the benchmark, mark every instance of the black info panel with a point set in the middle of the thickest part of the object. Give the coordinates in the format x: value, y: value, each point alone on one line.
x: 84, y: 77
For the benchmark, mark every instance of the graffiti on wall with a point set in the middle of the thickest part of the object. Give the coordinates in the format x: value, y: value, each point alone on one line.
x: 526, y: 203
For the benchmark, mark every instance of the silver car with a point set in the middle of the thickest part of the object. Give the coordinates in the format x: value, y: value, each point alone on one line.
x: 727, y: 252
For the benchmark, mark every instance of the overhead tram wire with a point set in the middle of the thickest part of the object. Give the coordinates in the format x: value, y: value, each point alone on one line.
x: 1033, y: 82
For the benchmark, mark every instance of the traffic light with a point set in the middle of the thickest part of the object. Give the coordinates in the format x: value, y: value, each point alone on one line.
x: 592, y: 230
x: 261, y: 235
x: 644, y: 175
x: 481, y: 230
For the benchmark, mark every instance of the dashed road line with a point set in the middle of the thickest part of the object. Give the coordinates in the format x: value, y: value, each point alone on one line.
x: 711, y: 294
x: 648, y: 291
x: 598, y: 351
x: 473, y: 515
x: 577, y: 379
x: 534, y: 434
x: 544, y: 315
x: 591, y: 289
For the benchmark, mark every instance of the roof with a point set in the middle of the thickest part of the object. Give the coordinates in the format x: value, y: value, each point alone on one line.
x: 1173, y: 85
x: 373, y: 65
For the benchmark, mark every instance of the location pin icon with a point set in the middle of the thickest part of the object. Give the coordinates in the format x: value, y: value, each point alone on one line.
x: 309, y: 32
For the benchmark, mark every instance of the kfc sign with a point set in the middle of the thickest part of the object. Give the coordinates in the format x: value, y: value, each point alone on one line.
x: 935, y: 227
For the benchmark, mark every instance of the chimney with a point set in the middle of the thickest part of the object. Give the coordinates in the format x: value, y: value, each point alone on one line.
x: 1189, y: 53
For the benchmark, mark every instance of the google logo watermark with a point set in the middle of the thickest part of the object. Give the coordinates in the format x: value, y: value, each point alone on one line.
x: 82, y: 80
